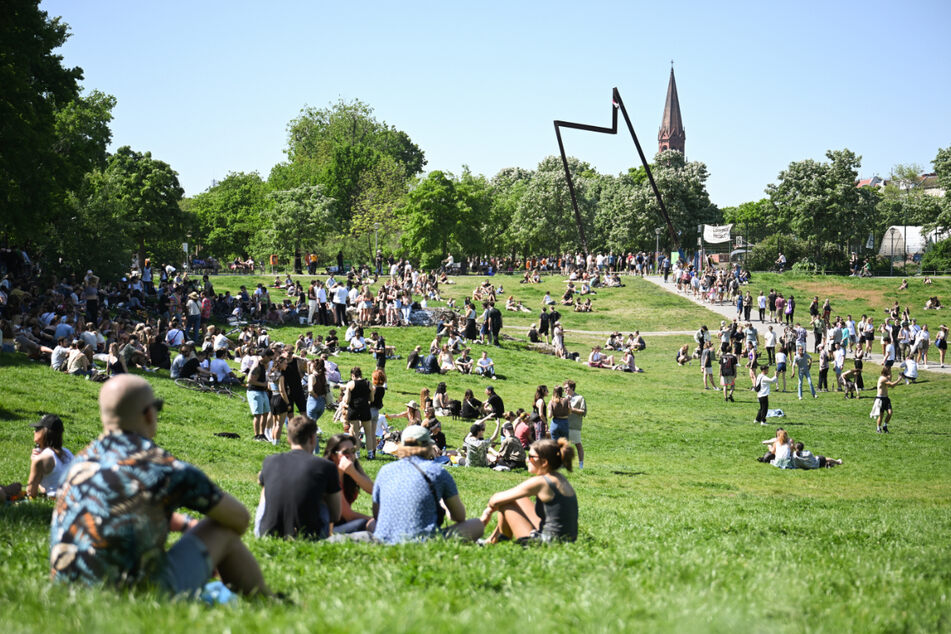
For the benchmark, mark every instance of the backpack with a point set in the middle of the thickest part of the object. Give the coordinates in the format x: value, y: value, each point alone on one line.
x: 729, y: 365
x: 455, y: 408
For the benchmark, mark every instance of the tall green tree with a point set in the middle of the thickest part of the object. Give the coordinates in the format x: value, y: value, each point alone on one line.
x: 293, y: 221
x: 942, y: 167
x: 34, y: 175
x: 339, y: 147
x: 434, y: 219
x: 821, y: 204
x: 229, y: 214
x: 755, y: 220
x: 145, y: 195
x: 544, y: 221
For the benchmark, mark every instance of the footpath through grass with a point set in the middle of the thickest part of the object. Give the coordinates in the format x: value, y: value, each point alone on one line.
x: 681, y: 529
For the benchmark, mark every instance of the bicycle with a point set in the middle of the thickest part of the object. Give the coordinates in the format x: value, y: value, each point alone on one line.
x: 201, y: 384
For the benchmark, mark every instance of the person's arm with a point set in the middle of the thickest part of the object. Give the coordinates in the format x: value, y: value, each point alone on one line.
x: 348, y: 467
x: 498, y: 428
x: 526, y: 489
x: 230, y: 513
x: 281, y: 387
x: 457, y: 511
x: 332, y: 500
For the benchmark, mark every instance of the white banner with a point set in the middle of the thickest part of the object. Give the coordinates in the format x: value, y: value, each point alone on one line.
x: 716, y: 233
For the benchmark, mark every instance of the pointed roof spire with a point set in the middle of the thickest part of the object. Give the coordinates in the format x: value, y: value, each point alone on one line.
x: 672, y: 135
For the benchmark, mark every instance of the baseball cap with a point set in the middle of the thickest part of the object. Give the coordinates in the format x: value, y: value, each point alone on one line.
x: 417, y: 436
x: 51, y: 422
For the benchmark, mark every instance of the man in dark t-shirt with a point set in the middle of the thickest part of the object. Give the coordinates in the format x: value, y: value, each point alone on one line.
x: 301, y: 495
x: 493, y: 403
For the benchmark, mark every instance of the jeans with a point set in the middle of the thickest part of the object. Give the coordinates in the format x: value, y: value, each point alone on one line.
x: 559, y: 428
x: 808, y: 378
x: 193, y: 328
x: 315, y: 407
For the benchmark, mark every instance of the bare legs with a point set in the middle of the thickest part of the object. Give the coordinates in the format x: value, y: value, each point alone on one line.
x: 235, y: 563
x: 516, y: 520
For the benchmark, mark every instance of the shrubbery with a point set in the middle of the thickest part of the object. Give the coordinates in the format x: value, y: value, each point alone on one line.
x: 938, y: 257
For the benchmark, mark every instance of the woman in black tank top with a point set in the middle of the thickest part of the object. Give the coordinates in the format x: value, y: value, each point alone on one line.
x: 554, y: 516
x: 358, y: 410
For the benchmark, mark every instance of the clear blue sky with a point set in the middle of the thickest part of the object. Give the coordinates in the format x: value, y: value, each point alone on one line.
x: 210, y: 86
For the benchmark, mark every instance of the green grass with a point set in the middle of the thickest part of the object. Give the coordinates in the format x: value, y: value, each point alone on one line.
x: 858, y: 296
x: 681, y: 529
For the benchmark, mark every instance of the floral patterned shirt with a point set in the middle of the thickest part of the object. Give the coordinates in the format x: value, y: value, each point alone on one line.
x: 111, y: 517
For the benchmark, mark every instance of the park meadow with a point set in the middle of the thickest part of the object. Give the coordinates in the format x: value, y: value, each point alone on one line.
x: 681, y: 529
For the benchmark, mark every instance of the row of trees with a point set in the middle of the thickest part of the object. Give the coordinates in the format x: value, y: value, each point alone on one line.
x: 350, y: 182
x: 819, y: 212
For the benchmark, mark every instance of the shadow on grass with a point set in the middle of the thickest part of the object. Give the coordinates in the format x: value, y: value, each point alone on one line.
x: 35, y: 515
x: 629, y: 473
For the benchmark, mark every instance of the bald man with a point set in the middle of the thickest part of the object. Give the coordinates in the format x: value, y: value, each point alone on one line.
x: 117, y: 505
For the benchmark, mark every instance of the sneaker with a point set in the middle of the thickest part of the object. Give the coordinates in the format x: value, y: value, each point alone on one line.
x: 267, y: 434
x: 885, y: 429
x: 763, y: 423
x: 371, y: 455
x: 800, y: 398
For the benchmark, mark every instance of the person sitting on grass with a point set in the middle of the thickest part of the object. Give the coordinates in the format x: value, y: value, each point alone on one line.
x: 50, y: 460
x: 683, y: 355
x: 628, y: 363
x: 119, y: 499
x: 300, y: 493
x: 598, y: 360
x: 554, y: 516
x: 465, y: 362
x: 342, y: 450
x: 357, y: 343
x: 511, y: 454
x: 476, y: 445
x: 583, y: 307
x: 485, y: 366
x: 412, y: 494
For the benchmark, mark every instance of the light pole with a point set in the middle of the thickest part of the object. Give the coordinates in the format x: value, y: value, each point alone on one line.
x: 376, y: 238
x: 891, y: 254
x: 657, y: 233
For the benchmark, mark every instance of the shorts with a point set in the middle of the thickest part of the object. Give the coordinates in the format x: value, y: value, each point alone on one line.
x: 187, y: 567
x: 727, y: 381
x: 708, y: 370
x: 886, y: 403
x: 278, y: 405
x: 559, y: 428
x: 780, y: 367
x: 889, y: 363
x: 258, y: 402
x: 574, y: 436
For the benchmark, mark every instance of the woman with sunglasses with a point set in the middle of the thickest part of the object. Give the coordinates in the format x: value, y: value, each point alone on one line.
x: 341, y: 450
x: 554, y: 516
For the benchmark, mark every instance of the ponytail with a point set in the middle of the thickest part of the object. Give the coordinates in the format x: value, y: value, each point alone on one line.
x: 558, y: 453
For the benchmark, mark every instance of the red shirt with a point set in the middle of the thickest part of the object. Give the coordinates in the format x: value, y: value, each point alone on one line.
x: 523, y: 432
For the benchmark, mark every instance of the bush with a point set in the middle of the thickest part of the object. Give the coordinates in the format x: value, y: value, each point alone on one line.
x: 938, y: 257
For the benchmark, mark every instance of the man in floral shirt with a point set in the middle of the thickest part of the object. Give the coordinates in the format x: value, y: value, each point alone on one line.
x: 118, y: 502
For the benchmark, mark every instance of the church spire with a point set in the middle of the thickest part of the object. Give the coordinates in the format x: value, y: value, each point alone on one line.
x: 672, y: 135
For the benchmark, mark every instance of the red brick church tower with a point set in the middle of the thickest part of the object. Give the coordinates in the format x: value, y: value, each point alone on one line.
x: 671, y: 135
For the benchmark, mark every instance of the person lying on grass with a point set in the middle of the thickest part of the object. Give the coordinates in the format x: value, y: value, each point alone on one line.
x: 119, y: 500
x: 554, y: 516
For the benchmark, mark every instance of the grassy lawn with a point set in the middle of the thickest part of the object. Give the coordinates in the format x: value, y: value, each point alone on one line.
x: 639, y: 305
x: 858, y: 296
x: 681, y: 529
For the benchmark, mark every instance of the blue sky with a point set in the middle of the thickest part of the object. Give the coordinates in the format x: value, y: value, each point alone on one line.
x: 210, y: 86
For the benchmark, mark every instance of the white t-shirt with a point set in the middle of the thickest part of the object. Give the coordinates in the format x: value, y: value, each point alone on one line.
x: 221, y: 342
x: 220, y: 368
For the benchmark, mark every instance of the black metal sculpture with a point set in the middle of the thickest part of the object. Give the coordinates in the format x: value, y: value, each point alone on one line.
x: 617, y: 104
